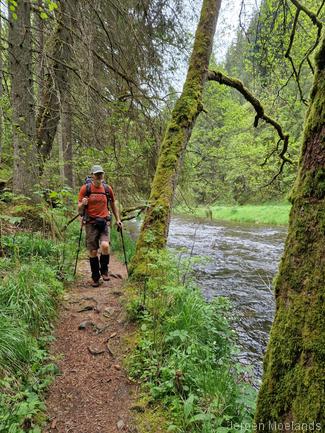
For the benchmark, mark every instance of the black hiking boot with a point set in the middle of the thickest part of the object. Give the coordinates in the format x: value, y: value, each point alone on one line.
x: 95, y: 274
x: 104, y: 261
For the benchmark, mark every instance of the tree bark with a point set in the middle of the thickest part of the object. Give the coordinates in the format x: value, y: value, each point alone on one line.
x: 22, y: 95
x: 56, y: 83
x: 292, y: 390
x: 40, y: 59
x: 1, y: 92
x: 154, y: 231
x: 66, y: 141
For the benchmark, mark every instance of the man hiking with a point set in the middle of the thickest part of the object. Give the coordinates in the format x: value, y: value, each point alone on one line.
x: 94, y: 200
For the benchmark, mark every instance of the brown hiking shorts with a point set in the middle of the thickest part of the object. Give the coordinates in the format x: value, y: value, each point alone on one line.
x: 94, y: 237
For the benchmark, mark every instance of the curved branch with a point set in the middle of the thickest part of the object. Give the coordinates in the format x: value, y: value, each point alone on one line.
x: 289, y: 57
x: 320, y: 8
x: 309, y: 13
x: 315, y: 21
x: 238, y: 85
x: 126, y: 217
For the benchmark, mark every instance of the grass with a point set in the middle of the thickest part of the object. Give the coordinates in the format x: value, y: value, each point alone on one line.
x: 59, y: 255
x: 26, y: 245
x: 16, y: 346
x: 184, y: 354
x: 268, y: 214
x: 30, y: 289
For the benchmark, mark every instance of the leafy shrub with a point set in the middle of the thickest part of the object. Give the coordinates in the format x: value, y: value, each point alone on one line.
x: 184, y: 353
x: 21, y: 403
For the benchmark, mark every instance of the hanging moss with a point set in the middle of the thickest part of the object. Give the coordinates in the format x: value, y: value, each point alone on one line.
x: 293, y: 384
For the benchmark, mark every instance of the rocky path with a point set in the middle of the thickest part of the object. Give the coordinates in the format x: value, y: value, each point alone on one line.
x: 92, y: 393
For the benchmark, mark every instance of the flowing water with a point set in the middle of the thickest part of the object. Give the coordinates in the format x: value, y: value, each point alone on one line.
x: 241, y: 261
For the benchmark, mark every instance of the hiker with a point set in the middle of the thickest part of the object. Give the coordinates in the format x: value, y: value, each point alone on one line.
x: 95, y: 197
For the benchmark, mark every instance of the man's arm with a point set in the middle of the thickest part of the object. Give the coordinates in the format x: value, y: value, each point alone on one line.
x: 82, y: 201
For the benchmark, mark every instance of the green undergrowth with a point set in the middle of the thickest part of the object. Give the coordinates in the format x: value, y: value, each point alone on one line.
x: 32, y: 270
x: 268, y: 214
x: 184, y: 356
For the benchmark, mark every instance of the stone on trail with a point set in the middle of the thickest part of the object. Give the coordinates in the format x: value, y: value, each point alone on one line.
x: 117, y: 367
x: 87, y: 308
x: 120, y: 424
x: 110, y: 350
x: 86, y: 324
x: 95, y: 350
x: 119, y: 276
x: 109, y: 311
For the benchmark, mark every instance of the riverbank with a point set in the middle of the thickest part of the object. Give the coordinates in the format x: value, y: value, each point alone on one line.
x: 239, y: 262
x: 181, y: 355
x: 266, y: 214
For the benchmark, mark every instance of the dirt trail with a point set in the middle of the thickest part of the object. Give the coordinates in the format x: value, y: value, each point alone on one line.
x: 92, y: 393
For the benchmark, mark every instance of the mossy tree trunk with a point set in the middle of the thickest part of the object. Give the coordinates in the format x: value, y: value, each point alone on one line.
x: 292, y: 390
x: 154, y: 231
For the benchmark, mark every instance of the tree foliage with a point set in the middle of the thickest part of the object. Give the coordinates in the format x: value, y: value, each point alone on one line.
x: 229, y: 160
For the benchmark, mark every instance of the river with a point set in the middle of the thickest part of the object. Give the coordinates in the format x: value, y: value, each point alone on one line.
x: 241, y: 261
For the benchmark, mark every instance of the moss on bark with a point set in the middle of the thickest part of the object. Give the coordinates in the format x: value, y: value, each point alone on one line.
x: 293, y: 384
x: 155, y: 227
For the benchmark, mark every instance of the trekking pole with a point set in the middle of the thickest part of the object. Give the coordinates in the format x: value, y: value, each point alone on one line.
x: 71, y: 221
x: 82, y: 224
x: 124, y: 252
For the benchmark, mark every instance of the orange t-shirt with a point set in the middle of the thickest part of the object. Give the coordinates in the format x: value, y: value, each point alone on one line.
x: 97, y: 203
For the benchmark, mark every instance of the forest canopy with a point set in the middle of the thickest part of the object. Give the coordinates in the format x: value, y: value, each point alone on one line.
x: 97, y: 95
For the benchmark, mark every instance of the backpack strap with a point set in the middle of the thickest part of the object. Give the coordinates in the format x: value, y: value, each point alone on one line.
x: 88, y: 189
x: 108, y: 193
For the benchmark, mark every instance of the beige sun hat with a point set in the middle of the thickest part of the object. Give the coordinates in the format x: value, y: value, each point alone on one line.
x: 97, y: 169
